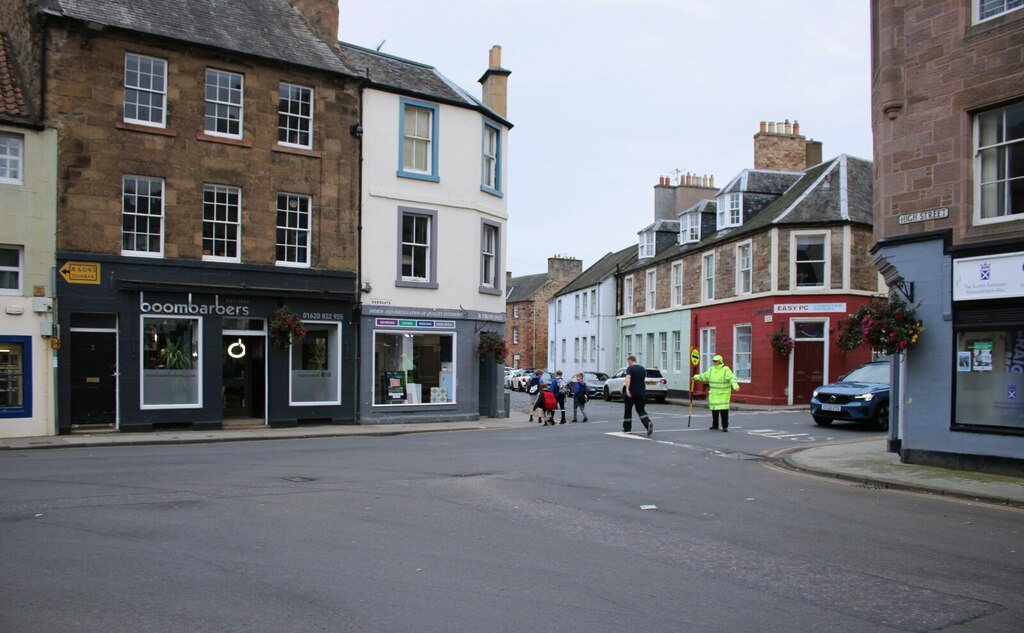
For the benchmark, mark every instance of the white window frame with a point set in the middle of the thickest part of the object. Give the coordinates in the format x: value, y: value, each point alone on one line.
x: 12, y: 159
x: 996, y: 148
x: 689, y: 228
x: 491, y: 159
x: 225, y: 99
x: 978, y: 5
x: 651, y: 291
x: 677, y: 351
x: 18, y: 270
x: 558, y: 310
x: 515, y: 334
x: 158, y: 218
x: 576, y: 349
x: 593, y: 348
x: 730, y: 210
x: 663, y: 344
x: 677, y: 283
x: 426, y: 134
x: 627, y: 347
x: 576, y: 307
x: 220, y: 219
x: 583, y: 349
x: 515, y: 311
x: 295, y: 122
x: 593, y: 302
x: 428, y: 247
x: 737, y: 365
x: 583, y: 298
x: 646, y: 249
x: 296, y: 237
x: 627, y: 295
x: 707, y: 263
x: 707, y: 348
x: 490, y: 253
x: 563, y: 351
x: 826, y: 263
x: 156, y: 90
x: 745, y: 268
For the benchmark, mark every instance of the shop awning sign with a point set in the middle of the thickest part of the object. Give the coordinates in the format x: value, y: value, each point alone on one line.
x: 81, y: 272
x: 988, y: 277
x: 417, y: 323
x: 808, y: 308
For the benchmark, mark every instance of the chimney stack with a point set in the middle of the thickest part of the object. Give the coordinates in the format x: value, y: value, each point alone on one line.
x: 322, y: 18
x: 495, y: 83
x: 564, y: 268
x: 782, y: 148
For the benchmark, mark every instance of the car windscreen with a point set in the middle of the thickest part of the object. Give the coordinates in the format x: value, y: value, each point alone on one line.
x: 654, y: 373
x: 595, y: 375
x: 869, y: 373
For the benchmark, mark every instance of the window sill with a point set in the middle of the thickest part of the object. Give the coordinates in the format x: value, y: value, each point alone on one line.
x: 494, y: 192
x: 207, y: 138
x: 415, y: 176
x: 297, y: 151
x: 145, y: 129
x: 487, y: 290
x: 429, y: 285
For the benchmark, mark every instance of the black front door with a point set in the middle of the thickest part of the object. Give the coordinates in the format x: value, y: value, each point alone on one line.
x: 93, y: 378
x: 243, y: 380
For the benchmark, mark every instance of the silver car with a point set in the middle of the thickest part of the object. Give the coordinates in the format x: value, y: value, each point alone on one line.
x: 657, y: 386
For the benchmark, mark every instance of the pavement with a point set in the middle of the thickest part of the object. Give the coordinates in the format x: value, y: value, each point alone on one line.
x: 865, y: 461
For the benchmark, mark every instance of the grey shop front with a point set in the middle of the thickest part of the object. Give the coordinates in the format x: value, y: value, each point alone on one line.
x: 151, y: 345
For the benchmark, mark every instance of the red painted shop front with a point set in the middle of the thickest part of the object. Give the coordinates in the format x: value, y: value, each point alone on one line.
x: 811, y: 321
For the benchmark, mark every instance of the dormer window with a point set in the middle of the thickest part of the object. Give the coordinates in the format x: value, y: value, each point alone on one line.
x: 689, y: 228
x: 730, y: 210
x: 646, y: 244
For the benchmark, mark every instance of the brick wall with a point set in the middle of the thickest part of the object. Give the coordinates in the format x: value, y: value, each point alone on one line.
x: 85, y: 103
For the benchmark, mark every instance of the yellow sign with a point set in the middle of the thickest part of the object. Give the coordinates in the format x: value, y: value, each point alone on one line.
x: 80, y: 272
x: 694, y: 356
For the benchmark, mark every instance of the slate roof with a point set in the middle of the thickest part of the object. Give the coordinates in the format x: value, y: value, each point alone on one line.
x: 523, y: 288
x: 661, y: 225
x: 601, y: 270
x: 704, y: 206
x: 270, y: 29
x: 761, y: 181
x: 12, y: 101
x: 835, y: 191
x: 413, y: 78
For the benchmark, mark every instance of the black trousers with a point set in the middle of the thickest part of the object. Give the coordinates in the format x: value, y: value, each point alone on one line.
x: 720, y: 414
x: 641, y: 410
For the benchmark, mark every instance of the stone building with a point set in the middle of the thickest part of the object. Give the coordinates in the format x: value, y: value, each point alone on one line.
x: 526, y: 312
x: 948, y: 126
x: 207, y: 197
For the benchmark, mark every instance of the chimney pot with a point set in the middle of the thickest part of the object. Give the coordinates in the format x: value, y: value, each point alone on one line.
x: 796, y: 128
x: 712, y: 181
x: 764, y: 127
x: 771, y: 127
x: 495, y: 57
x: 789, y: 127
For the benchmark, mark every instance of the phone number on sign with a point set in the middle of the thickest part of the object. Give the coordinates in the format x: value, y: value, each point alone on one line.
x: 322, y: 316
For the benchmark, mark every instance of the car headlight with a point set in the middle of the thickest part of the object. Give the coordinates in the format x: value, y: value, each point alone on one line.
x: 814, y: 394
x: 866, y: 397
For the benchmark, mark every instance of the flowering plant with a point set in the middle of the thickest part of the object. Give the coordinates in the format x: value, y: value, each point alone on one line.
x: 887, y: 326
x: 492, y: 344
x: 782, y: 343
x: 285, y: 327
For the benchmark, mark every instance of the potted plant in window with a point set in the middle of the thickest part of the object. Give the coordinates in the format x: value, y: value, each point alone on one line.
x: 285, y: 327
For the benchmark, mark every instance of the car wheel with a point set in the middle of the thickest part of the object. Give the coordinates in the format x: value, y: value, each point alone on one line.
x: 820, y: 421
x: 882, y: 417
x: 607, y: 394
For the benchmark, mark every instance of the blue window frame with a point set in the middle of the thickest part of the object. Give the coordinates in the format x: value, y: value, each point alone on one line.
x: 490, y: 160
x: 417, y: 140
x: 15, y: 377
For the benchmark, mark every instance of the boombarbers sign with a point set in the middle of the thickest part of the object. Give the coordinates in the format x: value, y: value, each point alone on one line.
x: 988, y: 277
x: 190, y: 307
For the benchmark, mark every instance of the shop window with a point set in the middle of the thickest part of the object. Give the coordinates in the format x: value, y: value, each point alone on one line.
x: 15, y: 377
x: 990, y: 378
x: 171, y: 362
x: 315, y: 361
x: 413, y: 368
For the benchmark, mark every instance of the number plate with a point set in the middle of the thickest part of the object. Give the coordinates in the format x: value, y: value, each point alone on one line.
x: 651, y: 382
x: 831, y: 407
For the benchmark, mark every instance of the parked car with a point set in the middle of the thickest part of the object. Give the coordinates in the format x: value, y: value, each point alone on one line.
x: 860, y: 396
x: 595, y: 383
x: 524, y: 380
x: 657, y: 386
x: 511, y: 375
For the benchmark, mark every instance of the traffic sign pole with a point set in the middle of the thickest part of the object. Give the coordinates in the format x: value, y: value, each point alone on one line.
x: 694, y: 361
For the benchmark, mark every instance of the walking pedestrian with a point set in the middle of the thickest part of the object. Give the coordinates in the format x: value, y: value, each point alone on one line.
x: 536, y: 388
x: 558, y: 387
x: 636, y: 397
x: 579, y: 397
x: 721, y: 383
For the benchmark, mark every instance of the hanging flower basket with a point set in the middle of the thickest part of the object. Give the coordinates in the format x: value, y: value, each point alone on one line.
x: 490, y: 344
x: 782, y: 343
x: 889, y: 326
x: 285, y: 327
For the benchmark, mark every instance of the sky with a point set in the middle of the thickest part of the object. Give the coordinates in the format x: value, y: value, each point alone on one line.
x: 606, y: 96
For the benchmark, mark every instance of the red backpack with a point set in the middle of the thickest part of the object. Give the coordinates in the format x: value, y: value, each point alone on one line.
x: 550, y: 402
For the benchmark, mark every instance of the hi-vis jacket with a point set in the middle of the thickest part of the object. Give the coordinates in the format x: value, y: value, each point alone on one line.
x: 721, y: 383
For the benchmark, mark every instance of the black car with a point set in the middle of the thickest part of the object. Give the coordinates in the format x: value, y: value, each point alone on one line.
x: 860, y: 396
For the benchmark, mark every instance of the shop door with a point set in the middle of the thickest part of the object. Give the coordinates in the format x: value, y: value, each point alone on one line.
x: 244, y: 377
x: 808, y: 369
x: 93, y: 377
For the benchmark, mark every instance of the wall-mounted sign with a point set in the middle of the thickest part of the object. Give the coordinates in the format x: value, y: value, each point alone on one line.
x: 189, y: 306
x: 808, y: 308
x: 988, y: 277
x: 80, y: 272
x: 921, y: 216
x: 417, y: 323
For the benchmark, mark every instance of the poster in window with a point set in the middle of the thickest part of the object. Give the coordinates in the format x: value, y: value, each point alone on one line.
x: 982, y: 356
x: 963, y: 361
x: 396, y: 385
